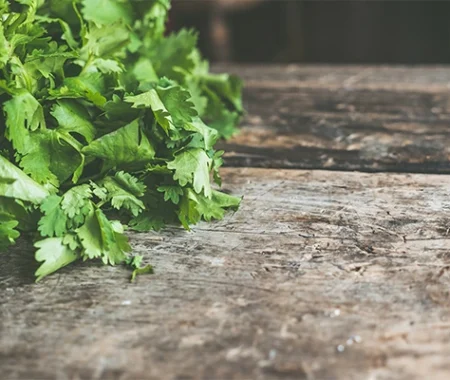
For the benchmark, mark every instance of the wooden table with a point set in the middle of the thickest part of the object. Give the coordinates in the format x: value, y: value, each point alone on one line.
x: 337, y: 266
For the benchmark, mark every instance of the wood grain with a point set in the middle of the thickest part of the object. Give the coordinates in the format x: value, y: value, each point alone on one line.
x: 312, y: 259
x: 344, y: 118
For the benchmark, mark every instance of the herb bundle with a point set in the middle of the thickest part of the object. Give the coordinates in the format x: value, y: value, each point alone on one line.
x: 103, y: 128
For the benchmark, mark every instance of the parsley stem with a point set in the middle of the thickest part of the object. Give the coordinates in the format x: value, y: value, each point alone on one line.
x: 100, y: 204
x: 6, y: 74
x: 87, y: 64
x: 8, y: 20
x: 21, y: 18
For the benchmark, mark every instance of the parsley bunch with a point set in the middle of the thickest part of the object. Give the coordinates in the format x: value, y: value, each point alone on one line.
x: 103, y: 127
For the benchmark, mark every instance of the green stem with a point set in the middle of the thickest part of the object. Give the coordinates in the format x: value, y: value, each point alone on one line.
x: 21, y: 18
x: 87, y: 64
x: 6, y: 74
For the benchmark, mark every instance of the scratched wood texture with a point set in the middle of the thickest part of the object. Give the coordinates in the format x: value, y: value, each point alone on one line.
x: 312, y: 259
x: 322, y: 274
x: 344, y: 118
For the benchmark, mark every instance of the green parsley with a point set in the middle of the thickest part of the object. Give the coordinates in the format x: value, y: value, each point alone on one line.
x: 108, y: 123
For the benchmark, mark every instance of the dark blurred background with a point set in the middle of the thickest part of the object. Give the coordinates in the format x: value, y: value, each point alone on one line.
x: 269, y: 31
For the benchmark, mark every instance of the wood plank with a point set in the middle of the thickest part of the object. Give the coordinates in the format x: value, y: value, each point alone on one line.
x: 312, y: 259
x: 344, y: 118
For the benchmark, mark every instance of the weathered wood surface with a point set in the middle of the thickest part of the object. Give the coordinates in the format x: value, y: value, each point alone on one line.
x: 344, y: 118
x: 311, y: 259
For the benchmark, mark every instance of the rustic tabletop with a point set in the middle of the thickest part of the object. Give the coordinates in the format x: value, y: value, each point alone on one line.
x: 337, y: 265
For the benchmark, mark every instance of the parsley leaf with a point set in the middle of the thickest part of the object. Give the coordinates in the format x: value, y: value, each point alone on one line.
x: 8, y: 232
x: 192, y: 167
x: 72, y: 117
x: 54, y: 255
x: 105, y: 117
x: 53, y: 223
x: 171, y: 193
x: 15, y: 184
x: 126, y: 146
x: 120, y: 193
